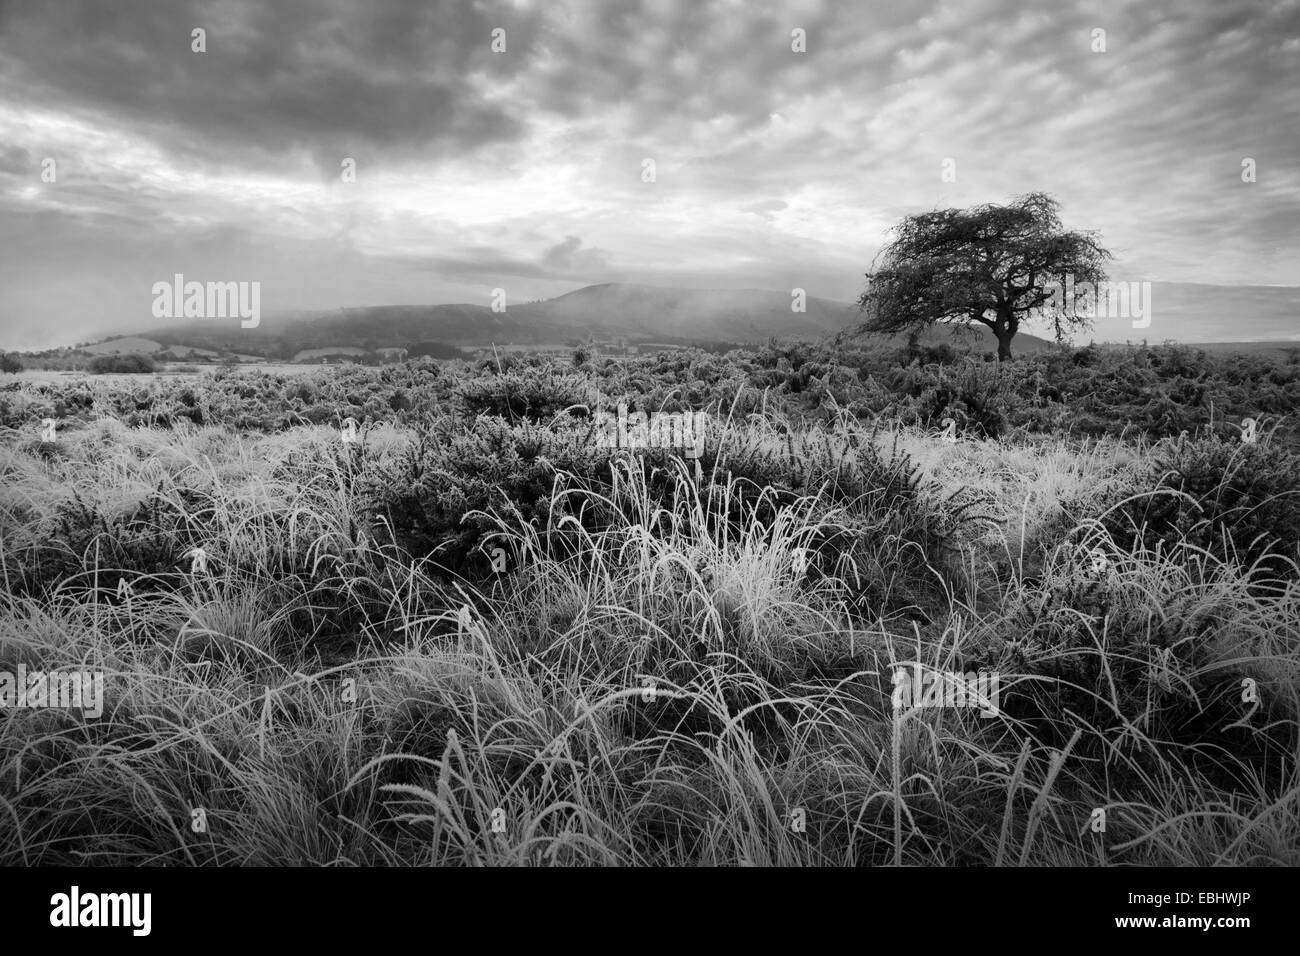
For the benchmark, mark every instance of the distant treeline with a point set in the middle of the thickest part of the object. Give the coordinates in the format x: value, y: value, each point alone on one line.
x: 129, y: 363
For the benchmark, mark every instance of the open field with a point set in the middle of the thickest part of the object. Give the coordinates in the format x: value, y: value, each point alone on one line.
x: 1067, y: 633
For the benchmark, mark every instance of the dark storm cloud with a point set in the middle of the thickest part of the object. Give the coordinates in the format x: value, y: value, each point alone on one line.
x: 384, y: 77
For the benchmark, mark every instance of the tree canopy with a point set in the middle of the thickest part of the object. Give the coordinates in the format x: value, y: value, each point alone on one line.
x: 991, y: 264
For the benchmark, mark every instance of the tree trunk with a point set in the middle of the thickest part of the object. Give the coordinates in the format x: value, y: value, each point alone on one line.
x: 1003, y: 327
x: 1004, y: 346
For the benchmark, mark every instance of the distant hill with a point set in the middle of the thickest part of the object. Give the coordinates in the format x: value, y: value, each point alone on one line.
x: 637, y: 314
x: 735, y: 315
x: 134, y: 344
x: 129, y: 344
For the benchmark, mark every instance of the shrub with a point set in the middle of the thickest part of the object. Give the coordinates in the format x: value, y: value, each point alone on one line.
x: 530, y: 392
x: 1236, y: 501
x: 427, y: 494
x: 133, y: 362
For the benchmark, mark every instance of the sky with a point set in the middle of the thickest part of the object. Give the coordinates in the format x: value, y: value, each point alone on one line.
x: 525, y: 168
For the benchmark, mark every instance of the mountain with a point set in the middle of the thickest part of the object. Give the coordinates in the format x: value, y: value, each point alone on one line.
x: 734, y: 315
x: 638, y: 314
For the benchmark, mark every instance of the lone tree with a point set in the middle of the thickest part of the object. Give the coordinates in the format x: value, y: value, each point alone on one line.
x: 989, y: 264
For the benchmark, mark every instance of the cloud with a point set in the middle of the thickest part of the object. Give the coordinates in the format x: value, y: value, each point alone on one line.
x: 388, y: 78
x: 773, y: 167
x: 765, y: 208
x: 570, y: 259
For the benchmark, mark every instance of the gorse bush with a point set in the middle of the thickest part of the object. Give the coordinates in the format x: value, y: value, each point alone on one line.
x: 1140, y: 650
x: 1238, y: 502
x: 83, y: 538
x: 428, y: 496
x: 528, y: 392
x: 892, y: 524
